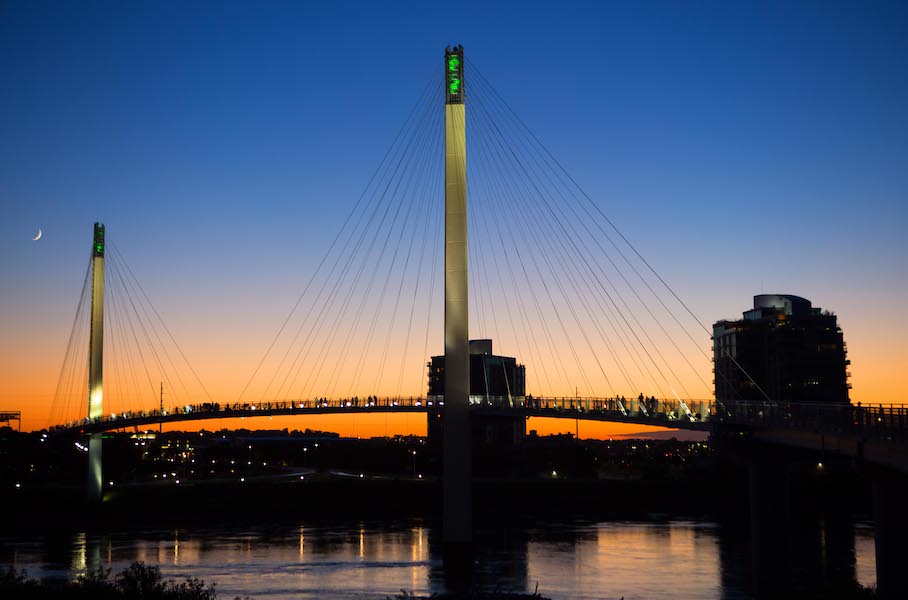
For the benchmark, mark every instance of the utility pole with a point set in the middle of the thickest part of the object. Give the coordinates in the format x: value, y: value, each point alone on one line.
x: 161, y: 411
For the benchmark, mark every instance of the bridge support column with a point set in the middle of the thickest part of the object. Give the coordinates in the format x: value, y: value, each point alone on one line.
x: 94, y: 479
x: 456, y: 476
x: 890, y: 512
x: 94, y: 483
x: 770, y: 523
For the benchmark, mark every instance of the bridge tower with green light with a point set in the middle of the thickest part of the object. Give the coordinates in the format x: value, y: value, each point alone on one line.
x: 95, y: 481
x: 456, y: 475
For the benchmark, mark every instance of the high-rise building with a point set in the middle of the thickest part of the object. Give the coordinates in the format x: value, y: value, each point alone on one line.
x: 494, y: 380
x: 491, y: 376
x: 793, y: 351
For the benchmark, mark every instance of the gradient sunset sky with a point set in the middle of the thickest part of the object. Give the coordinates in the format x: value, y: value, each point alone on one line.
x: 743, y: 147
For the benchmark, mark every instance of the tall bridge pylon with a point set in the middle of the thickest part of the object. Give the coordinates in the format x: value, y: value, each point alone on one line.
x: 457, y: 493
x: 127, y: 341
x: 95, y: 480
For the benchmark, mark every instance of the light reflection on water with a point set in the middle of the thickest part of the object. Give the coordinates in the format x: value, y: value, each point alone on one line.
x: 576, y: 560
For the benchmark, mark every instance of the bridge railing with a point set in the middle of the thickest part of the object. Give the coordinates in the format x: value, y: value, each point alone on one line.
x: 227, y: 410
x: 888, y: 422
x: 658, y: 409
x: 618, y: 407
x: 880, y: 422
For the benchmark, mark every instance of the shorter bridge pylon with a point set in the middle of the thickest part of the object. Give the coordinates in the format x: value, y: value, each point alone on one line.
x: 94, y: 478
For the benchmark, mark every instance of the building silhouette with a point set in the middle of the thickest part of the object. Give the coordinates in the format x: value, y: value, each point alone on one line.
x: 494, y: 381
x: 793, y: 351
x: 491, y: 376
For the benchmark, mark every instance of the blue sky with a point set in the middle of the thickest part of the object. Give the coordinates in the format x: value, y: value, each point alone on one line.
x: 740, y: 145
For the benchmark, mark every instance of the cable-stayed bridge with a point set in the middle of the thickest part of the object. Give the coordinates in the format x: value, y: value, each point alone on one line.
x: 468, y: 228
x: 554, y: 282
x: 649, y: 412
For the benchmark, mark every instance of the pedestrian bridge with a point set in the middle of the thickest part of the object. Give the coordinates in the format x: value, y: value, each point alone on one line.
x: 880, y: 423
x: 650, y: 411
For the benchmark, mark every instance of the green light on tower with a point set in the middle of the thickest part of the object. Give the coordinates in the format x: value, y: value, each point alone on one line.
x: 98, y: 245
x: 454, y: 65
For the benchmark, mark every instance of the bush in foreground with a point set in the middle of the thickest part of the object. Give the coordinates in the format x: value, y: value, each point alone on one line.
x: 137, y: 582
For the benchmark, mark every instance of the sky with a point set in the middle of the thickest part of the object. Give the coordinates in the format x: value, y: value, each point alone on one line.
x: 743, y: 147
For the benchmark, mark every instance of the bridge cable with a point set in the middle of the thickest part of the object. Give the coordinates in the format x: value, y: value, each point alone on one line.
x: 557, y: 277
x: 115, y: 280
x: 523, y: 313
x: 566, y: 254
x: 433, y: 217
x: 418, y: 142
x: 325, y: 305
x: 352, y: 259
x: 626, y: 241
x: 548, y: 335
x: 511, y: 149
x: 582, y: 257
x: 339, y: 283
x: 418, y: 172
x: 119, y: 322
x: 420, y: 190
x: 352, y: 212
x: 159, y: 362
x: 531, y: 157
x: 58, y: 403
x: 120, y: 258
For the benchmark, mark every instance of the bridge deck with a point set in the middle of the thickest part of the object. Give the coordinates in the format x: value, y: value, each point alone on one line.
x: 884, y: 423
x: 658, y: 413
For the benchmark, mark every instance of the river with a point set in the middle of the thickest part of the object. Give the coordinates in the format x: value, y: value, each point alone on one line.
x: 569, y: 560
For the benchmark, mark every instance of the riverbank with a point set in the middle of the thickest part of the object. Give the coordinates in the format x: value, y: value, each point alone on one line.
x: 173, y: 504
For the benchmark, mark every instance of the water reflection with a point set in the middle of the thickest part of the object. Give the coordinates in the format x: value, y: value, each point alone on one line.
x: 570, y: 560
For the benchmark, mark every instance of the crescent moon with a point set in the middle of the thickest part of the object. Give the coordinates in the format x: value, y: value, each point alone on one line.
x: 37, y: 237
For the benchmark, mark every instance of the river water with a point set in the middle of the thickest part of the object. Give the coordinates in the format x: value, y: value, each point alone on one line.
x: 372, y: 560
